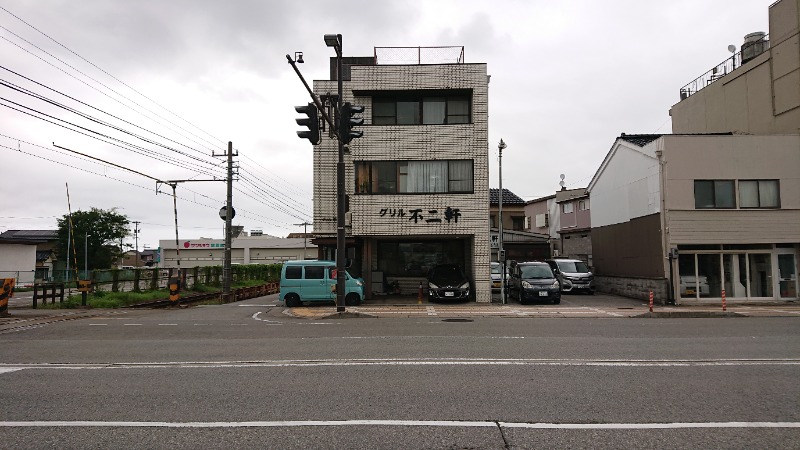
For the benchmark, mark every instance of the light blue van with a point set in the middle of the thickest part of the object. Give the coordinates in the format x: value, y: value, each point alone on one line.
x: 314, y: 281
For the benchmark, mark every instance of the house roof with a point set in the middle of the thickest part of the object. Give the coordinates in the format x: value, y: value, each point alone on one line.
x: 639, y: 139
x: 30, y: 235
x: 570, y: 194
x: 540, y: 199
x: 509, y: 198
x: 42, y: 255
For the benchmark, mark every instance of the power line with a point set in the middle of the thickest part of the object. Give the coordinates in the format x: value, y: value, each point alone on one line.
x: 93, y: 119
x: 95, y: 108
x: 96, y: 81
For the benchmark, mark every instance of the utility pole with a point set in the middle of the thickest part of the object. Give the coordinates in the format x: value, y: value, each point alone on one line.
x: 305, y: 235
x: 226, y: 266
x: 501, y: 253
x: 136, y: 240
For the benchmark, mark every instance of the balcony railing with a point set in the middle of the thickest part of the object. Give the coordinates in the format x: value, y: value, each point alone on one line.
x: 750, y: 51
x: 419, y: 55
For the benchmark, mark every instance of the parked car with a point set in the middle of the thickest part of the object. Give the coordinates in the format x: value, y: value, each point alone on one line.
x: 691, y: 285
x: 573, y: 274
x: 497, y: 275
x: 447, y: 282
x: 534, y: 281
x: 315, y: 281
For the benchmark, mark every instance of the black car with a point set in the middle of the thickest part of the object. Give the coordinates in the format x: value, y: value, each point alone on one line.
x: 534, y: 281
x: 448, y: 282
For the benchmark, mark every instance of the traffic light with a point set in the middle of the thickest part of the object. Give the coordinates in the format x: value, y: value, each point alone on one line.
x: 347, y: 122
x: 312, y: 122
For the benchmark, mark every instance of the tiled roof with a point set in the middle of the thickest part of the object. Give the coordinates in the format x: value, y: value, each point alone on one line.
x: 30, y: 235
x: 509, y: 198
x: 640, y: 139
x: 42, y: 255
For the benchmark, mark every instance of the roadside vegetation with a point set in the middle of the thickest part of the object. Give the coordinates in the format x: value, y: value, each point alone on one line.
x: 206, y: 280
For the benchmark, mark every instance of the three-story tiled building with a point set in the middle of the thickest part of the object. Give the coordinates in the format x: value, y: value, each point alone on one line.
x: 417, y: 182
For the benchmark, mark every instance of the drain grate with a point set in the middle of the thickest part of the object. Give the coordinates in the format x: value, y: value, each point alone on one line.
x: 457, y: 320
x: 625, y: 308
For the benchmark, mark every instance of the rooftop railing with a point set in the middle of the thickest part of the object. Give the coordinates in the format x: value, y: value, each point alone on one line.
x: 419, y: 55
x: 749, y: 51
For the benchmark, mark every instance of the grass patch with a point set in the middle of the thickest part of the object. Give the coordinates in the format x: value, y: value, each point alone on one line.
x: 105, y: 299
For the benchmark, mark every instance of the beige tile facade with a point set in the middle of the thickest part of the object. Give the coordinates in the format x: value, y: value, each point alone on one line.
x: 373, y: 217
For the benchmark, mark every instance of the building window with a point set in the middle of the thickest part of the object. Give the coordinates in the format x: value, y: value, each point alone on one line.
x: 417, y: 109
x: 567, y: 208
x: 583, y: 205
x: 759, y: 194
x: 414, y: 177
x: 517, y: 223
x: 717, y: 194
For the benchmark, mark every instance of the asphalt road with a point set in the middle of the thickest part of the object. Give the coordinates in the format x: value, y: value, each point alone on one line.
x: 246, y: 375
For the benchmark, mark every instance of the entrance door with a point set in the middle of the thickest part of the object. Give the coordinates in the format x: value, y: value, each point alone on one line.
x: 787, y: 276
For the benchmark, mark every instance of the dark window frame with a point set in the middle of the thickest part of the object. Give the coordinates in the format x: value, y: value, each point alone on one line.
x: 758, y: 193
x: 715, y: 201
x: 420, y: 97
x: 367, y: 187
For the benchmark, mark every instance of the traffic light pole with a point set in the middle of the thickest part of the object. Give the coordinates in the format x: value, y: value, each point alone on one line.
x: 340, y: 195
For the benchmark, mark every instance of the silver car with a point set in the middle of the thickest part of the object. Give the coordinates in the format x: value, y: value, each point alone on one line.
x: 573, y: 274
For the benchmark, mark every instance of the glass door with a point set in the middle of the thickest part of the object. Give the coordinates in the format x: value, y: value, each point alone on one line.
x: 787, y: 269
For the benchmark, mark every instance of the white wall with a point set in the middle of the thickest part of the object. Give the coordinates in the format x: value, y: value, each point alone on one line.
x: 627, y: 185
x: 18, y: 261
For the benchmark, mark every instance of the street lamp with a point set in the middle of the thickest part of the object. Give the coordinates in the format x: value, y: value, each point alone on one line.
x: 335, y: 41
x: 500, y: 252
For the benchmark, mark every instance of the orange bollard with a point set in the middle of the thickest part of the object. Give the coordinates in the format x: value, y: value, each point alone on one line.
x: 651, y: 301
x: 724, y: 303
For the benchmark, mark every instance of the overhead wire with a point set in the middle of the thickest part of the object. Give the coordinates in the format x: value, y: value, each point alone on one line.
x: 98, y: 121
x: 262, y: 193
x: 96, y: 81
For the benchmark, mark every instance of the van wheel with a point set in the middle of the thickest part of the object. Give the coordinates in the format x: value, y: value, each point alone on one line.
x: 292, y: 300
x: 352, y: 299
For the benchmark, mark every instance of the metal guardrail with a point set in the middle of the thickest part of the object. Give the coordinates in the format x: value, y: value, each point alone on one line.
x: 749, y: 51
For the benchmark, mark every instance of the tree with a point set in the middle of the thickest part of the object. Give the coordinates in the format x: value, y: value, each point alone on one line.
x: 105, y: 228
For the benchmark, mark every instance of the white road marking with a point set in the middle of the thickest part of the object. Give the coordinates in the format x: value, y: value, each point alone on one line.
x: 168, y: 324
x: 97, y: 324
x: 268, y: 306
x: 403, y: 423
x: 7, y: 370
x: 266, y: 321
x: 431, y: 310
x: 132, y: 324
x: 414, y: 362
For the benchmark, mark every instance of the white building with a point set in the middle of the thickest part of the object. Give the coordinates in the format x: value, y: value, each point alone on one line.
x: 244, y: 250
x: 417, y: 182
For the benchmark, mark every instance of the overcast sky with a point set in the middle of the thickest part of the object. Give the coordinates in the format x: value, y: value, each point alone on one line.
x: 567, y: 77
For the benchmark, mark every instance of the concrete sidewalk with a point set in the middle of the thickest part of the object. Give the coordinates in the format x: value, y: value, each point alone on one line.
x: 328, y: 311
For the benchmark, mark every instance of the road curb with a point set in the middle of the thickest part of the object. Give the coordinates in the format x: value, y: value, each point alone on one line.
x: 686, y: 315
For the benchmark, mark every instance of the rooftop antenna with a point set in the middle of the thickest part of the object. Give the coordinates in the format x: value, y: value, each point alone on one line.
x: 561, y: 183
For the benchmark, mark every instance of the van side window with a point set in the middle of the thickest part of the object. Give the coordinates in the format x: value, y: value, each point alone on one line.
x: 294, y: 272
x: 315, y: 272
